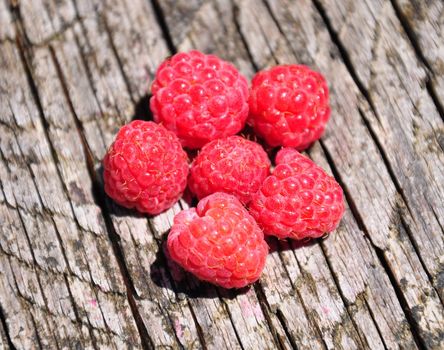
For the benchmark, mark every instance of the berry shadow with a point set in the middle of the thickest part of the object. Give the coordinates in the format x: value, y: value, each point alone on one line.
x: 142, y: 109
x: 280, y: 245
x: 189, y: 198
x: 165, y: 273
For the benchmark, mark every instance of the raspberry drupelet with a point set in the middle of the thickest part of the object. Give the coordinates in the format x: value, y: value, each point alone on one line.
x: 145, y: 168
x: 289, y: 106
x: 199, y: 97
x: 219, y: 242
x: 299, y: 200
x: 232, y: 165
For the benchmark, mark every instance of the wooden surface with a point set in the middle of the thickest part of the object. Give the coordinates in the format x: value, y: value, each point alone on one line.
x: 77, y: 271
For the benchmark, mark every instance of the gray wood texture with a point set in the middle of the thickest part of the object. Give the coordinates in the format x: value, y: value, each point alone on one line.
x: 78, y: 271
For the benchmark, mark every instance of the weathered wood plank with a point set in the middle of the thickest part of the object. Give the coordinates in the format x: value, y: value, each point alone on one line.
x: 46, y: 234
x: 424, y: 22
x: 44, y: 19
x: 286, y: 306
x: 207, y: 25
x: 137, y: 42
x: 405, y: 118
x: 101, y: 91
x: 67, y: 57
x: 91, y: 63
x: 15, y: 315
x: 4, y: 344
x: 6, y: 28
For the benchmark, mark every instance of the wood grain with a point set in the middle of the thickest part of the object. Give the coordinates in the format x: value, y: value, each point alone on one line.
x: 55, y: 272
x: 76, y: 270
x: 424, y: 24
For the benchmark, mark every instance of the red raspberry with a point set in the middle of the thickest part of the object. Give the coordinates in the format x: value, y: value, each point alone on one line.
x: 145, y: 167
x: 289, y: 106
x: 199, y: 97
x: 232, y: 165
x: 299, y: 200
x: 219, y: 242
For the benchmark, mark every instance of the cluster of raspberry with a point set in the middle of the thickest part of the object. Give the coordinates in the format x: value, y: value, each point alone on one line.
x: 201, y: 102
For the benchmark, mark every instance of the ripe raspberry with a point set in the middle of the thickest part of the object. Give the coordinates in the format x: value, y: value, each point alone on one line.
x: 219, y: 242
x: 289, y: 106
x: 199, y: 97
x: 145, y: 167
x: 299, y: 200
x: 232, y: 165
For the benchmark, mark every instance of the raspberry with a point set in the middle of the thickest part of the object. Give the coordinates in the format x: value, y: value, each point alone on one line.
x: 145, y: 167
x: 232, y: 165
x: 299, y: 200
x: 289, y: 106
x: 219, y: 242
x: 199, y: 97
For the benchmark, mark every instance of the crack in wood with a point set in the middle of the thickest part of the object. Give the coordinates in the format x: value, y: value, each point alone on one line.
x: 364, y: 344
x: 411, y: 35
x: 345, y: 56
x: 410, y: 234
x: 198, y: 327
x: 404, y: 11
x: 100, y: 195
x: 102, y: 19
x: 46, y: 126
x: 227, y: 310
x: 412, y: 322
x: 381, y: 257
x: 37, y: 335
x: 283, y: 321
x: 76, y: 313
x: 434, y: 96
x: 4, y: 325
x: 241, y: 35
x: 347, y: 61
x: 160, y: 18
x: 262, y: 300
x: 378, y: 328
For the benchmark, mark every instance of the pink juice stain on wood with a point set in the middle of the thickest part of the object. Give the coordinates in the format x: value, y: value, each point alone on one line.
x: 178, y: 329
x: 249, y: 310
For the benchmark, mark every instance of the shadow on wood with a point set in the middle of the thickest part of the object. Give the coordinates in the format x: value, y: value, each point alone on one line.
x: 142, y: 109
x: 277, y: 245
